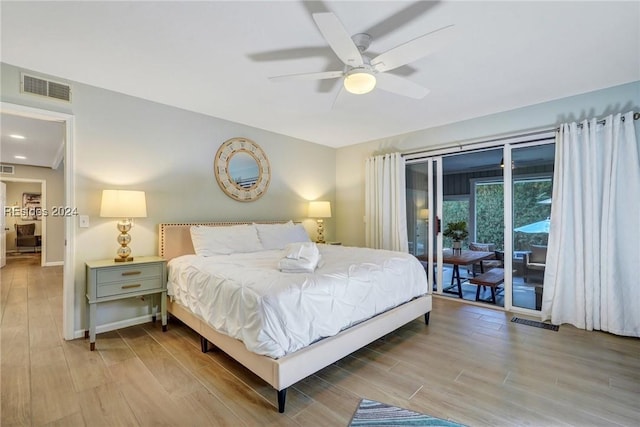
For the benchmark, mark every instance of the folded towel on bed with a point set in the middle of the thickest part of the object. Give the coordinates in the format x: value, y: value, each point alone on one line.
x: 301, y: 257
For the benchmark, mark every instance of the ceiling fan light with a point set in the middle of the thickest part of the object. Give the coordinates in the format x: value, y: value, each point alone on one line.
x: 359, y: 82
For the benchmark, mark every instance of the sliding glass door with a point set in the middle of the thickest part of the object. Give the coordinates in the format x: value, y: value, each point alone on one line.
x: 507, y: 223
x: 532, y: 184
x: 421, y: 213
x: 473, y: 193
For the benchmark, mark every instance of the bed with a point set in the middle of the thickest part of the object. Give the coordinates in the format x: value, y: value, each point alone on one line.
x: 283, y: 362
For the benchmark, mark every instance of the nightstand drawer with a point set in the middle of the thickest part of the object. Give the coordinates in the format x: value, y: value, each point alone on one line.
x: 129, y: 286
x: 130, y: 273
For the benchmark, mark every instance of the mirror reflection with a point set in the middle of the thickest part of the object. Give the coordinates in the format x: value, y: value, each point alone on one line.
x: 244, y: 170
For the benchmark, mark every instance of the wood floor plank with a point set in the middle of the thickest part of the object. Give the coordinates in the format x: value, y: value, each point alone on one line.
x: 43, y: 332
x: 296, y: 401
x: 453, y: 403
x: 112, y: 348
x: 207, y: 410
x: 358, y: 385
x: 15, y: 388
x: 16, y: 312
x: 248, y: 405
x: 73, y: 420
x: 87, y: 368
x: 150, y: 404
x: 14, y: 345
x: 52, y: 393
x: 106, y: 406
x: 403, y: 387
x: 170, y: 374
x: 341, y: 401
x: 512, y: 404
x: 316, y: 414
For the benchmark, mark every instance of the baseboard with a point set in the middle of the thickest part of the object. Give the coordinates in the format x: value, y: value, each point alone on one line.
x: 53, y: 263
x: 117, y: 325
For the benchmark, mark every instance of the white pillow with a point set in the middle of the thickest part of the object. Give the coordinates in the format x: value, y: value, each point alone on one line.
x: 277, y: 236
x: 208, y: 241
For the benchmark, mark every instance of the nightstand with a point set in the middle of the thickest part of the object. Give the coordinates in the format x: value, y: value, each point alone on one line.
x: 108, y: 280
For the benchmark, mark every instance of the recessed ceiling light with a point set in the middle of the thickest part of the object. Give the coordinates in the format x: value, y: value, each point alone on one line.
x: 16, y: 136
x: 20, y: 157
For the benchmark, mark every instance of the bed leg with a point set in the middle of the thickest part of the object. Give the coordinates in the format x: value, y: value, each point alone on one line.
x: 204, y: 344
x: 426, y: 317
x: 282, y: 396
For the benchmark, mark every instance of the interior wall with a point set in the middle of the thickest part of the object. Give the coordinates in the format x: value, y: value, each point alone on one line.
x: 54, y: 181
x: 123, y: 142
x: 350, y: 160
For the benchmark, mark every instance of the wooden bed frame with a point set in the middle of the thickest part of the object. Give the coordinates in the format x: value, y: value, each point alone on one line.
x: 175, y: 240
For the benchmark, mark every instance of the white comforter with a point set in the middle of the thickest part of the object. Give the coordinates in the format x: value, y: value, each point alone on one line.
x: 274, y: 313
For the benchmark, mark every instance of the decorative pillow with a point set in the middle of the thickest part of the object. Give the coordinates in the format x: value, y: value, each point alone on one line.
x: 277, y: 236
x: 208, y: 241
x: 485, y: 247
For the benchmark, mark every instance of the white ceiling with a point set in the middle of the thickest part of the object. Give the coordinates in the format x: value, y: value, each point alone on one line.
x: 43, y: 143
x: 215, y: 57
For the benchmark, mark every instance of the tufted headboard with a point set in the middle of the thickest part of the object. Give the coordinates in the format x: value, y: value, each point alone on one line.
x: 175, y: 237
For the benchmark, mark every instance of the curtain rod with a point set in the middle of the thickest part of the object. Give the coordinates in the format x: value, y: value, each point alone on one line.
x: 636, y: 116
x: 488, y: 142
x: 483, y: 143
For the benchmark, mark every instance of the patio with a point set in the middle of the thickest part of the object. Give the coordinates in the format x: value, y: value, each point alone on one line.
x: 524, y: 294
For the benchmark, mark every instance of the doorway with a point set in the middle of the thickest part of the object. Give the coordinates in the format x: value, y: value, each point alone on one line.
x: 68, y: 293
x: 14, y: 215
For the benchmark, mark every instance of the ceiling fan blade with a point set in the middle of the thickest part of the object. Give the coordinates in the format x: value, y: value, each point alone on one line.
x: 309, y: 76
x: 414, y: 49
x: 340, y: 41
x: 400, y: 86
x: 400, y: 18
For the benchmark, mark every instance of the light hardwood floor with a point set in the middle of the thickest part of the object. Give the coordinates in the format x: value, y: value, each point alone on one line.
x: 470, y: 365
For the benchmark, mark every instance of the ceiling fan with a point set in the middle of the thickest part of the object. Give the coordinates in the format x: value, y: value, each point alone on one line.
x: 362, y: 74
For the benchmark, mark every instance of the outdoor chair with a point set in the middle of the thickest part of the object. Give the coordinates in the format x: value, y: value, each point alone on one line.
x: 535, y: 261
x: 487, y: 264
x: 25, y: 236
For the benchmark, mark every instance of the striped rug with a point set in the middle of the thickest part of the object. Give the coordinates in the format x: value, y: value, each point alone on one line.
x: 372, y: 413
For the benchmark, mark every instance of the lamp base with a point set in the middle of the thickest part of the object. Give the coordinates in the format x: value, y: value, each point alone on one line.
x: 320, y: 236
x: 124, y: 251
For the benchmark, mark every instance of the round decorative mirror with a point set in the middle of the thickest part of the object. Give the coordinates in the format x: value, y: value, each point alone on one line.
x: 242, y: 169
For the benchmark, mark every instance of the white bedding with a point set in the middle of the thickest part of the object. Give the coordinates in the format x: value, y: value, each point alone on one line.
x: 274, y: 313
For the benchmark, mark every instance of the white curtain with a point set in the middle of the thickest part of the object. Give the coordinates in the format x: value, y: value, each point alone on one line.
x: 592, y: 276
x: 385, y: 203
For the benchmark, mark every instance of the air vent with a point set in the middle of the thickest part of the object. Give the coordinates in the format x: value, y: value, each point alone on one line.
x: 43, y: 87
x: 7, y: 169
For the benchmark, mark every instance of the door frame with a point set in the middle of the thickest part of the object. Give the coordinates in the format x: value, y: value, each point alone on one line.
x: 3, y: 225
x: 68, y: 288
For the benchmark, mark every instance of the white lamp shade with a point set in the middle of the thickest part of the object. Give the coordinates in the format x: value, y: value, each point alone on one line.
x: 423, y: 214
x: 359, y: 82
x: 319, y: 209
x: 123, y: 204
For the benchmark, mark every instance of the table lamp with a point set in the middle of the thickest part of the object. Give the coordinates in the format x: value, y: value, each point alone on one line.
x: 124, y: 204
x: 320, y: 210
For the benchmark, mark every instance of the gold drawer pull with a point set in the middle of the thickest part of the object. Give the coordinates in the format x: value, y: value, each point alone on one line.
x: 131, y: 273
x: 137, y: 285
